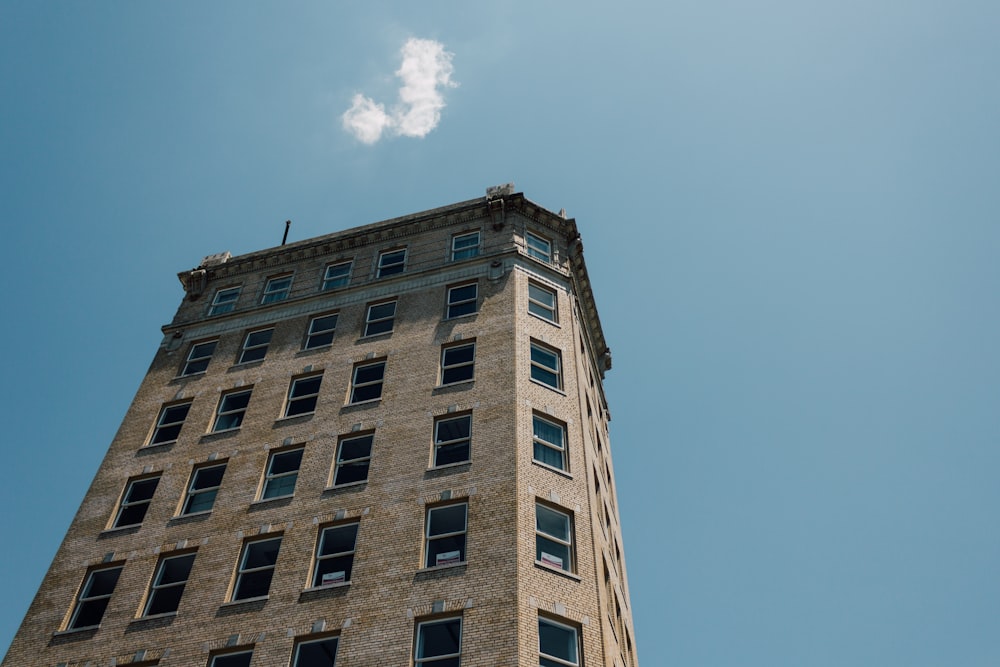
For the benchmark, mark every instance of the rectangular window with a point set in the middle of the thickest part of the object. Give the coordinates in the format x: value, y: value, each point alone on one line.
x: 542, y: 302
x: 204, y: 486
x: 391, y: 263
x: 439, y: 643
x: 380, y: 318
x: 276, y: 289
x: 445, y: 535
x: 316, y: 653
x: 241, y: 659
x: 558, y: 644
x: 464, y: 246
x: 367, y: 382
x: 232, y: 407
x: 335, y: 555
x: 281, y: 474
x: 135, y: 502
x: 198, y: 357
x: 253, y: 579
x: 458, y: 363
x: 463, y: 300
x: 553, y: 538
x: 93, y: 597
x: 451, y: 440
x: 302, y: 395
x: 168, y: 425
x: 320, y: 331
x: 168, y: 584
x: 337, y: 275
x: 538, y: 247
x: 546, y: 366
x: 224, y: 301
x: 354, y: 455
x: 255, y: 346
x: 549, y: 446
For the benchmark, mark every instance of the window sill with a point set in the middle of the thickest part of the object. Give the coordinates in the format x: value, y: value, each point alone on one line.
x: 374, y: 336
x: 447, y: 466
x: 346, y: 485
x: 107, y: 532
x: 73, y: 631
x: 438, y: 568
x: 190, y: 515
x: 558, y: 471
x: 273, y: 499
x: 242, y: 365
x: 313, y: 589
x: 548, y: 386
x: 456, y: 384
x: 307, y: 350
x: 189, y: 375
x: 548, y: 568
x: 153, y: 617
x: 286, y: 418
x: 222, y: 431
x: 368, y: 402
x: 155, y: 445
x: 459, y: 317
x: 236, y: 603
x: 554, y: 323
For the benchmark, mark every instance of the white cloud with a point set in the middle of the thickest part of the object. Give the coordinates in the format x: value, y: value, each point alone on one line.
x: 425, y: 70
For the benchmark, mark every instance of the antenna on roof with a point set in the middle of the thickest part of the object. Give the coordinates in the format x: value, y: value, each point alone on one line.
x: 288, y: 223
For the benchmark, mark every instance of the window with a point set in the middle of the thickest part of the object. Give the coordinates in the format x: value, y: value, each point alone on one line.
x: 320, y: 331
x: 255, y: 346
x: 380, y: 318
x: 464, y: 246
x: 367, y: 382
x: 253, y: 579
x: 458, y: 363
x: 93, y: 597
x: 302, y: 395
x: 354, y: 454
x: 553, y: 538
x: 281, y: 474
x: 545, y: 366
x: 542, y: 302
x: 276, y: 289
x: 241, y: 659
x: 168, y: 584
x: 198, y: 357
x: 446, y: 526
x: 451, y: 440
x: 204, y: 486
x: 391, y: 263
x: 335, y: 555
x: 549, y: 443
x: 558, y: 644
x: 337, y: 275
x: 462, y: 300
x: 538, y: 247
x: 232, y: 407
x: 316, y: 653
x: 439, y: 643
x: 224, y: 301
x: 135, y: 502
x: 168, y: 426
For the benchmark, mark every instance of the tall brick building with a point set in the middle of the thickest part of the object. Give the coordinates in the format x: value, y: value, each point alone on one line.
x: 383, y: 446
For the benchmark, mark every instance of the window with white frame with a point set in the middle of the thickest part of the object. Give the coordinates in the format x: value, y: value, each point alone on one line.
x: 354, y: 456
x: 439, y: 643
x: 379, y: 318
x: 240, y: 659
x: 256, y: 568
x: 167, y: 587
x: 366, y: 384
x: 302, y: 395
x: 542, y: 302
x: 168, y: 424
x: 464, y: 246
x: 203, y: 487
x: 316, y: 652
x: 232, y: 408
x: 281, y: 474
x: 553, y: 537
x: 337, y: 275
x: 93, y: 597
x: 320, y: 332
x: 198, y: 357
x: 558, y: 644
x: 549, y: 442
x: 276, y: 289
x: 445, y: 534
x: 538, y: 247
x: 255, y: 345
x: 546, y: 365
x: 135, y: 501
x: 463, y: 300
x: 391, y: 262
x: 224, y: 301
x: 335, y: 555
x: 452, y: 438
x: 458, y: 363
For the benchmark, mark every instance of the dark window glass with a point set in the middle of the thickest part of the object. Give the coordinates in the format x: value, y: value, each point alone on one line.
x: 458, y: 363
x: 451, y: 440
x: 302, y: 395
x: 335, y: 555
x: 168, y: 584
x: 446, y: 526
x: 368, y: 382
x: 93, y: 599
x: 353, y: 458
x: 136, y: 501
x: 256, y: 569
x: 168, y: 426
x: 319, y: 653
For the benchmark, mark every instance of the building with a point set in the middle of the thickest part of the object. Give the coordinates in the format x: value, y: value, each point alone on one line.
x: 388, y: 444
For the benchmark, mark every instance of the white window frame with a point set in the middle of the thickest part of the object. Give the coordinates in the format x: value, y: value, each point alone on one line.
x: 312, y: 333
x: 253, y: 347
x: 466, y: 251
x: 224, y: 300
x: 544, y: 368
x: 456, y: 304
x: 321, y: 640
x: 335, y: 273
x: 198, y: 358
x: 157, y: 584
x: 224, y: 411
x: 569, y: 564
x: 390, y: 268
x: 127, y: 503
x: 83, y: 597
x: 539, y: 441
x: 431, y: 661
x: 292, y: 399
x: 277, y: 288
x: 355, y: 385
x: 370, y: 320
x: 428, y: 538
x: 279, y: 478
x: 456, y: 366
x: 340, y: 462
x: 538, y: 247
x: 244, y: 570
x: 193, y: 491
x: 439, y: 443
x: 539, y: 308
x: 320, y: 537
x: 161, y: 424
x: 546, y: 659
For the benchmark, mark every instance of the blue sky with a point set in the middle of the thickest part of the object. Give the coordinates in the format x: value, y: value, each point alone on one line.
x: 789, y: 212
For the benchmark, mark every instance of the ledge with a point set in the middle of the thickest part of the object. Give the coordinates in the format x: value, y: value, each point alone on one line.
x: 548, y: 386
x: 548, y: 568
x: 552, y: 469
